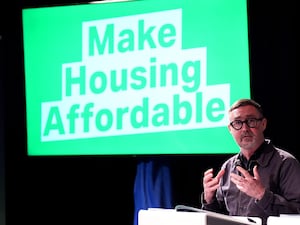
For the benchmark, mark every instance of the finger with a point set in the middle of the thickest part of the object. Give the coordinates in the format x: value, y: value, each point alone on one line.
x: 255, y: 172
x: 208, y: 171
x: 220, y: 174
x: 244, y: 172
x: 235, y: 178
x: 212, y: 182
x: 208, y: 174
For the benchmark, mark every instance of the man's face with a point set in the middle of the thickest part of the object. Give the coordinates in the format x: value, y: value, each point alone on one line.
x: 249, y: 127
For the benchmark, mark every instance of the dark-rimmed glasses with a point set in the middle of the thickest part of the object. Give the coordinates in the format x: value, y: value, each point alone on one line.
x: 251, y: 123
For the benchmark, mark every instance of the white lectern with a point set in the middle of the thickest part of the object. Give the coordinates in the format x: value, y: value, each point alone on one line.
x: 284, y: 219
x: 159, y: 216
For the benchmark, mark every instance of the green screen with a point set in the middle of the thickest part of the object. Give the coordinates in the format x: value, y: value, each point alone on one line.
x: 134, y: 77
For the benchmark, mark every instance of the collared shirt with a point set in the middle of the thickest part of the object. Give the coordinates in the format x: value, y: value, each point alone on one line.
x: 280, y: 174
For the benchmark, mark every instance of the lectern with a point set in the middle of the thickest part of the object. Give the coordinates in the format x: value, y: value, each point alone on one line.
x: 284, y: 219
x: 159, y: 216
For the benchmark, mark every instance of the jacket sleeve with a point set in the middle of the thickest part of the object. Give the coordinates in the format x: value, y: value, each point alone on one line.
x: 286, y: 199
x: 215, y: 206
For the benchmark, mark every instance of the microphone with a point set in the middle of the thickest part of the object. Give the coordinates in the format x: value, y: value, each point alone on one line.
x: 249, y: 167
x: 238, y: 162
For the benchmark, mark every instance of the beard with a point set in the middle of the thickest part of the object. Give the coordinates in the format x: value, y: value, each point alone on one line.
x: 247, y: 140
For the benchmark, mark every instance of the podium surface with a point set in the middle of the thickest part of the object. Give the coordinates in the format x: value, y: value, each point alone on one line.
x: 284, y: 220
x: 159, y: 216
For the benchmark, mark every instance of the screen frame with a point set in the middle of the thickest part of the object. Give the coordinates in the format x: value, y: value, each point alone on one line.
x: 150, y: 152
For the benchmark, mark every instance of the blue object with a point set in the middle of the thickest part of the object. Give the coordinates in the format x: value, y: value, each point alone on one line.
x: 152, y: 187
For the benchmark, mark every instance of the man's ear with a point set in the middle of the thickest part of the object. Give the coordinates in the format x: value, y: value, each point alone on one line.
x: 229, y: 127
x: 264, y: 123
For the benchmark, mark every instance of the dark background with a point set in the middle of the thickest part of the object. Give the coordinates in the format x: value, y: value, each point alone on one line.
x: 98, y: 190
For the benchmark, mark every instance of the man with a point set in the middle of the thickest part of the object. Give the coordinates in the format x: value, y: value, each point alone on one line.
x: 261, y: 180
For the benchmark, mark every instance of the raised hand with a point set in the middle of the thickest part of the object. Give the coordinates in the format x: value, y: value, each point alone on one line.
x: 251, y: 185
x: 211, y: 183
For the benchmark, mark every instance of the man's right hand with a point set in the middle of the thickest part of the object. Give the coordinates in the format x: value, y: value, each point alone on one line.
x: 211, y: 183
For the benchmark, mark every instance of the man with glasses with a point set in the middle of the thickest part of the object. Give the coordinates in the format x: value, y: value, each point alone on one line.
x: 261, y: 180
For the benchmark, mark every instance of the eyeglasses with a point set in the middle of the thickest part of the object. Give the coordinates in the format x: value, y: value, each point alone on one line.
x: 251, y: 123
